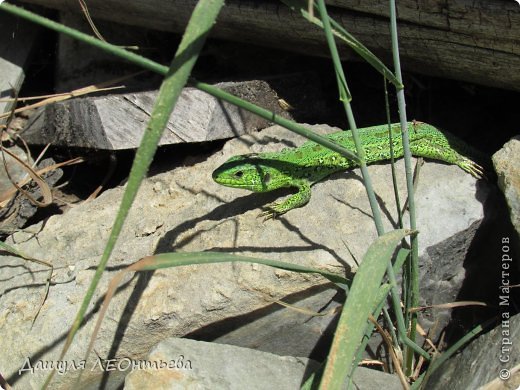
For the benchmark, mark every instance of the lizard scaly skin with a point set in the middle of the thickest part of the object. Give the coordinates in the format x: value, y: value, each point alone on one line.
x: 303, y: 166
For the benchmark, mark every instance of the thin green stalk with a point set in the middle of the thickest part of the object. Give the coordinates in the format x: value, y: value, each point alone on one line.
x: 344, y: 36
x: 266, y: 114
x: 390, y: 326
x: 162, y: 70
x: 438, y: 361
x: 405, y: 279
x: 342, y: 84
x: 345, y: 98
x: 401, y: 326
x: 414, y: 275
x: 392, y: 159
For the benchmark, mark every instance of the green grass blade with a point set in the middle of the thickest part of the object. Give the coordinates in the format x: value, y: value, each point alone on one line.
x: 401, y: 257
x: 382, y: 297
x: 177, y: 259
x: 384, y: 290
x: 201, y: 21
x: 361, y: 301
x: 13, y: 251
x: 313, y: 381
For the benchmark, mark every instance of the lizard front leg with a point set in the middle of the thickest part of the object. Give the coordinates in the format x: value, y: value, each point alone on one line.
x: 299, y: 199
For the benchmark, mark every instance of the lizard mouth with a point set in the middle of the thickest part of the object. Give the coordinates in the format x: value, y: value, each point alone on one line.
x: 232, y: 183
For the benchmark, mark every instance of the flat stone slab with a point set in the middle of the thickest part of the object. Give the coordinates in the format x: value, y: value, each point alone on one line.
x: 118, y: 121
x: 184, y: 210
x: 219, y: 366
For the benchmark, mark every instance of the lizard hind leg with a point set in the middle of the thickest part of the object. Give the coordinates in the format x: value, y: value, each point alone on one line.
x: 299, y: 199
x: 442, y: 151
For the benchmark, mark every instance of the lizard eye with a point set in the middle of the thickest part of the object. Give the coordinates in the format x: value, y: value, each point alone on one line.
x: 239, y: 174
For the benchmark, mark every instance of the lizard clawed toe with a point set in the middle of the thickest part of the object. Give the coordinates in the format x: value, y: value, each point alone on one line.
x: 473, y: 168
x: 271, y: 212
x: 266, y: 214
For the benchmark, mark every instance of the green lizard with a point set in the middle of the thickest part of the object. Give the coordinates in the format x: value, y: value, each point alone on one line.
x: 303, y: 166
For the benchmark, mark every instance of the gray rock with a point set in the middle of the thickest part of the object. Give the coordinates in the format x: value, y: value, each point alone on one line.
x: 183, y: 210
x: 285, y: 331
x: 218, y: 366
x: 20, y: 209
x: 17, y: 38
x: 14, y: 168
x: 507, y: 166
x: 489, y: 360
x: 442, y: 272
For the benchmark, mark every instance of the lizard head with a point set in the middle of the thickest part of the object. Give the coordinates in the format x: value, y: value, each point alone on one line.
x: 248, y: 171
